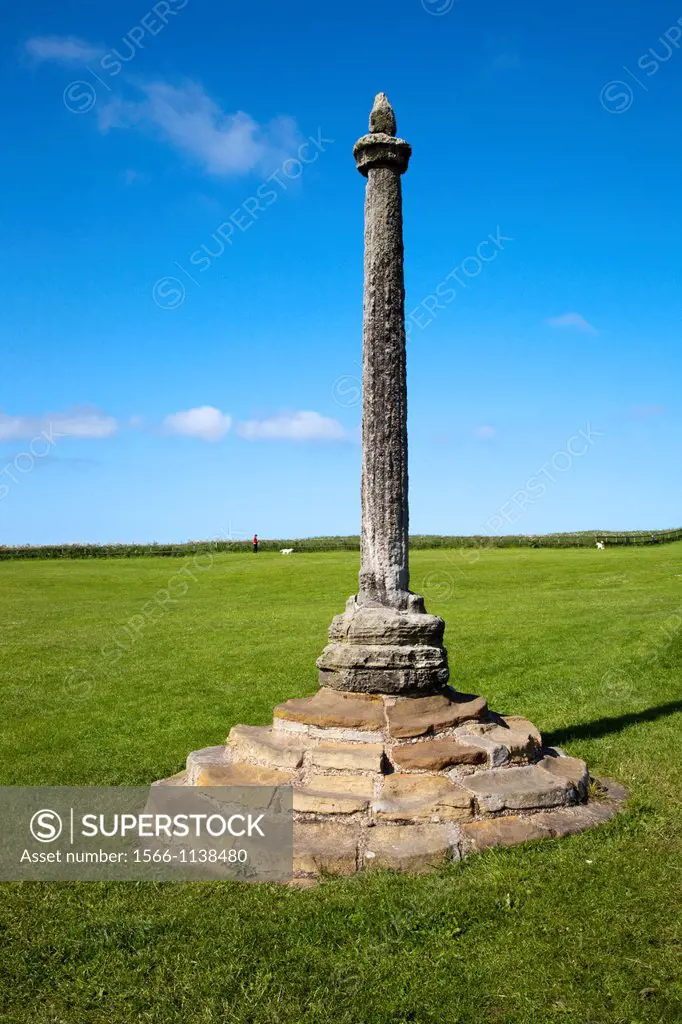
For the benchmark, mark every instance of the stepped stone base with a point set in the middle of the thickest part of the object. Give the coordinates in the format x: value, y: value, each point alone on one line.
x: 405, y: 783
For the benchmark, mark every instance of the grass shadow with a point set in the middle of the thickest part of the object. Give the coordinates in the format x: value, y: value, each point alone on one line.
x: 604, y: 726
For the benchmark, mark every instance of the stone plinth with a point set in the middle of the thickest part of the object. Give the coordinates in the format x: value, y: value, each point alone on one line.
x: 377, y: 649
x: 403, y: 782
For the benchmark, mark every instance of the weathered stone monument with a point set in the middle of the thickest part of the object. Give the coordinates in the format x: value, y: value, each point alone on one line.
x: 390, y: 766
x: 384, y: 642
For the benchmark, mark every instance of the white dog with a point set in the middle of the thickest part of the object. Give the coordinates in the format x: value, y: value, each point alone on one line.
x: 600, y: 545
x: 286, y: 551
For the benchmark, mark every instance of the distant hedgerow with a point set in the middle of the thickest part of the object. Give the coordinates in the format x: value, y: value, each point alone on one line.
x: 419, y: 541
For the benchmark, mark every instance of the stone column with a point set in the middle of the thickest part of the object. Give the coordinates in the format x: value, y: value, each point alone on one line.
x: 382, y: 159
x: 384, y: 642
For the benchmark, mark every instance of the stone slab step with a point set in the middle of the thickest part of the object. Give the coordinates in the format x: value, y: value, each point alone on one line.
x: 513, y: 789
x: 243, y: 774
x: 520, y: 743
x: 334, y: 794
x: 363, y: 757
x: 510, y: 830
x: 207, y: 757
x: 333, y: 709
x: 276, y: 749
x: 333, y: 848
x: 506, y: 831
x: 571, y: 821
x: 413, y: 848
x: 435, y: 755
x: 422, y: 716
x: 326, y: 849
x: 495, y: 753
x: 422, y: 798
x: 523, y: 725
x: 570, y: 769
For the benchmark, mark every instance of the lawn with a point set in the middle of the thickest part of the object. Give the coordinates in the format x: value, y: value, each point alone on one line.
x: 582, y: 930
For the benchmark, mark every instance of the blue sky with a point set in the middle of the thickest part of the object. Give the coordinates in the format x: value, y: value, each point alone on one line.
x: 154, y: 389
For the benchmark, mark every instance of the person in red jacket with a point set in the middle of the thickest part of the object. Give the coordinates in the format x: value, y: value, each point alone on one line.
x: 255, y: 543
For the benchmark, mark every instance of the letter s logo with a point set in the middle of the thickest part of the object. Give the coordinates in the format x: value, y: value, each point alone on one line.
x: 46, y: 826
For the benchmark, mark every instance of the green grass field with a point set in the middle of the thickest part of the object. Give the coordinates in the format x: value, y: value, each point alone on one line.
x: 582, y: 930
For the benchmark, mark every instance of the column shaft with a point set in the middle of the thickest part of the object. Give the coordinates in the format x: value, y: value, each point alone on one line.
x: 384, y: 539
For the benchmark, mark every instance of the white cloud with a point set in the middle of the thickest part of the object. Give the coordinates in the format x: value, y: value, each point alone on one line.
x: 62, y: 49
x: 72, y: 423
x: 191, y: 121
x: 295, y: 426
x: 206, y: 422
x: 572, y: 320
x: 485, y: 432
